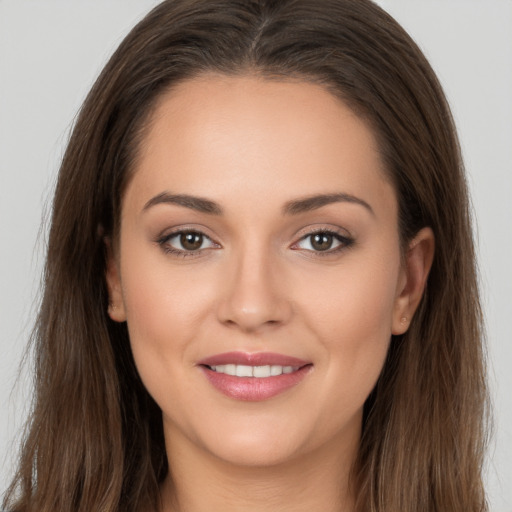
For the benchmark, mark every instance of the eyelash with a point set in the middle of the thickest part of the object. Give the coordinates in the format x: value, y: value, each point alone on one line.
x: 163, y: 242
x: 345, y: 242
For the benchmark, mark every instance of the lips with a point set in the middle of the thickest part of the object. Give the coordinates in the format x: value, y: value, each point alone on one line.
x: 253, y: 376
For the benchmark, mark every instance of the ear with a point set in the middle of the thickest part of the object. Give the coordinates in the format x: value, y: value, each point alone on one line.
x: 116, y: 309
x: 417, y: 262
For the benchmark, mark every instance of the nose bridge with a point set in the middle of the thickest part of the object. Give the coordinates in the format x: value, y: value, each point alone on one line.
x: 254, y: 297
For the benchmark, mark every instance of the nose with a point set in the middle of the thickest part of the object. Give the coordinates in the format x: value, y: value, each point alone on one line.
x: 254, y: 297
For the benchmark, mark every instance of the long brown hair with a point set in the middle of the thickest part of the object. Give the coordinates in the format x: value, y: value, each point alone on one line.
x: 94, y: 440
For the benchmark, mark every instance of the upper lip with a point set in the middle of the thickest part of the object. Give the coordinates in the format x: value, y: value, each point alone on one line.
x: 253, y: 359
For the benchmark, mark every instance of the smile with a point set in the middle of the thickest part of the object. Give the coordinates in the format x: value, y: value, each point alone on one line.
x: 254, y: 377
x: 258, y: 372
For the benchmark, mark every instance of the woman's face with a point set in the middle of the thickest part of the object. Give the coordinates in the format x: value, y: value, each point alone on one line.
x: 258, y: 238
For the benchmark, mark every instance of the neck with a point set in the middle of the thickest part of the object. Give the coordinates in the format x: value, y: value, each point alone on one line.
x: 200, y: 482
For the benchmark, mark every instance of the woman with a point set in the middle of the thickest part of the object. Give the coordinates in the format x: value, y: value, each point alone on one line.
x: 260, y: 289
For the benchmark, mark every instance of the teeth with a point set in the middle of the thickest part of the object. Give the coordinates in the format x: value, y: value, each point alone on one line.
x: 261, y: 371
x: 242, y: 370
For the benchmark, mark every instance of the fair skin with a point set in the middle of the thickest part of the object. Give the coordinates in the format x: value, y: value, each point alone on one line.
x: 255, y: 279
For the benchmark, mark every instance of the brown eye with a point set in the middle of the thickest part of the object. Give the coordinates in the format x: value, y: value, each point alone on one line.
x: 328, y: 242
x: 186, y: 243
x: 321, y: 241
x: 191, y: 241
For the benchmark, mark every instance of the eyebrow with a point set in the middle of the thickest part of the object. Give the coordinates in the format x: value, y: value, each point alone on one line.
x: 314, y: 202
x: 294, y: 207
x: 194, y: 203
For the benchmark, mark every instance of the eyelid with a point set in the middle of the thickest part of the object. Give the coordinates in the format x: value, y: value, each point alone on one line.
x: 163, y: 241
x: 342, y: 236
x: 345, y: 240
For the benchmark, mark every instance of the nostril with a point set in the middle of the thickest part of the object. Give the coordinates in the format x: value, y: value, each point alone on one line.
x: 252, y: 302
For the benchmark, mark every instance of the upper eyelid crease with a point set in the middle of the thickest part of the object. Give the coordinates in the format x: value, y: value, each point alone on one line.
x: 173, y: 234
x: 163, y: 242
x: 346, y: 241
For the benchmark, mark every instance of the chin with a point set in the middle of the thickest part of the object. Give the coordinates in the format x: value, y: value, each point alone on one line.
x: 253, y: 451
x: 247, y: 440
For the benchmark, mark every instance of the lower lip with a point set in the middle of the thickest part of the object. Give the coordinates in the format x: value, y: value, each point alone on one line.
x: 254, y: 389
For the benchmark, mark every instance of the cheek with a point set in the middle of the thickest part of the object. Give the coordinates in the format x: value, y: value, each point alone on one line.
x: 351, y: 315
x: 357, y: 297
x: 164, y: 309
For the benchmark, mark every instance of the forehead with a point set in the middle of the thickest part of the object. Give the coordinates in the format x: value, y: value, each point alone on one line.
x: 222, y: 137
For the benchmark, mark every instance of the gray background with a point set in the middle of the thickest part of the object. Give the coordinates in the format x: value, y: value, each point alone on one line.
x: 50, y: 53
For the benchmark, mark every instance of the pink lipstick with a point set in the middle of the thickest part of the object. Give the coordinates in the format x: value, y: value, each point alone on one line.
x: 253, y: 376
